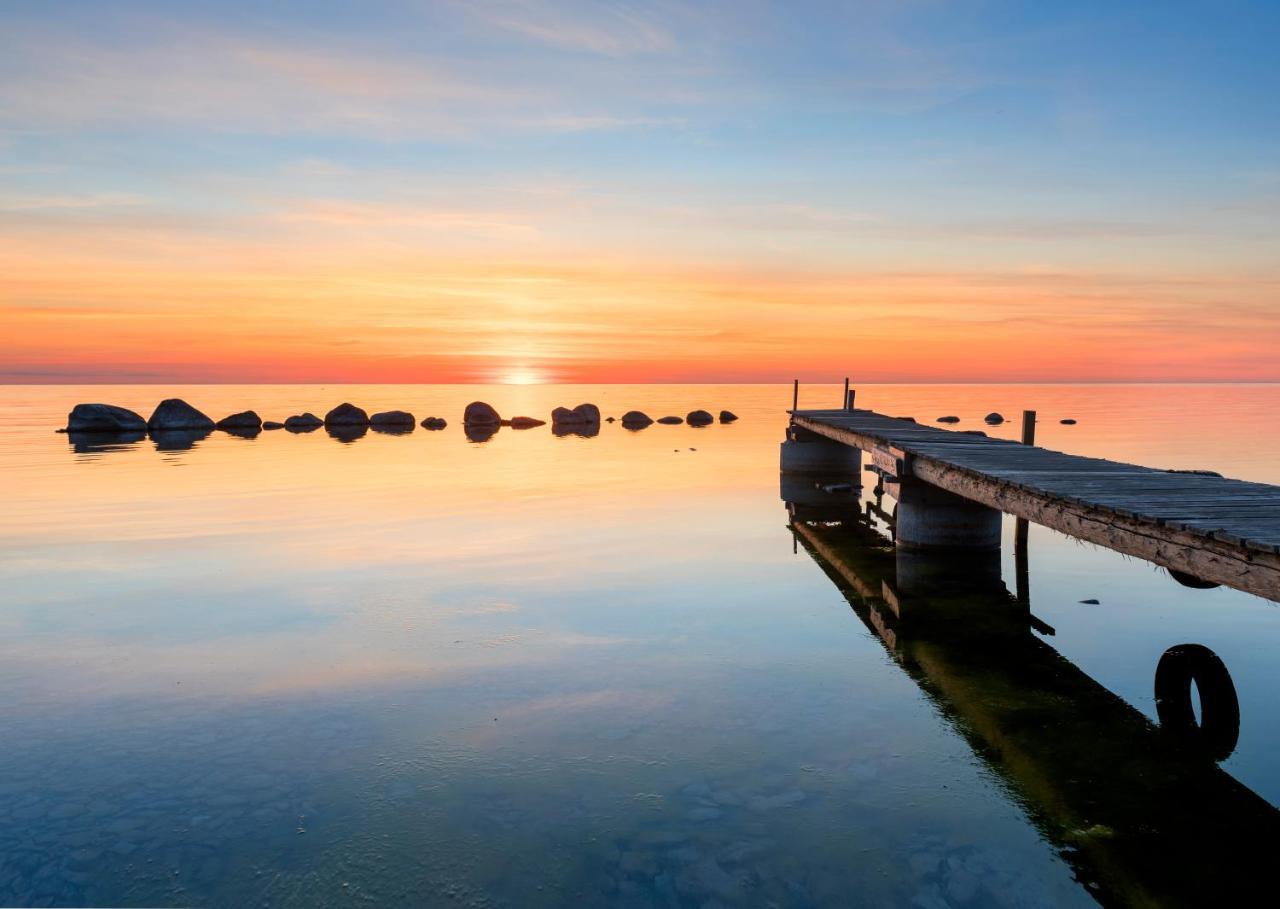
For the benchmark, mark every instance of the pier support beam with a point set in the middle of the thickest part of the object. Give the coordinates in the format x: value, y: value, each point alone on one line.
x: 820, y: 456
x: 932, y: 518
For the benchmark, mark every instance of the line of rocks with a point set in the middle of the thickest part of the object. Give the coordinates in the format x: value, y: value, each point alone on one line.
x: 349, y: 422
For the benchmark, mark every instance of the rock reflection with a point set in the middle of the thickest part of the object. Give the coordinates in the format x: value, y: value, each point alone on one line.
x: 178, y: 439
x: 346, y: 434
x: 98, y: 442
x: 1141, y: 811
x: 583, y: 430
x: 480, y: 432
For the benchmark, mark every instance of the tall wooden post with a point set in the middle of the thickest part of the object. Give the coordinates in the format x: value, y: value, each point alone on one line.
x: 844, y: 398
x: 848, y: 398
x: 1021, y: 528
x: 795, y: 396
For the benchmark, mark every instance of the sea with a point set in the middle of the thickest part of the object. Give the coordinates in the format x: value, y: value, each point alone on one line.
x: 543, y: 669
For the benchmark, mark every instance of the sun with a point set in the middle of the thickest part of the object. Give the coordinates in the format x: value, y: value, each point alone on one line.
x: 524, y: 376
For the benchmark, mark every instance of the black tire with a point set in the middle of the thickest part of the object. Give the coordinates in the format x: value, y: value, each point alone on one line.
x: 1219, y: 728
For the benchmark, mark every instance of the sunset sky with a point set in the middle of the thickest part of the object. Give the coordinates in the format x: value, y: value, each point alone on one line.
x: 438, y: 191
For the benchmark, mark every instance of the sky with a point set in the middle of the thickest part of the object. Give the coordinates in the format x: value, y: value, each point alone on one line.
x: 535, y: 190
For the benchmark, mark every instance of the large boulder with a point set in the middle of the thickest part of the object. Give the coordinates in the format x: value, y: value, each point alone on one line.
x: 671, y: 421
x: 728, y: 416
x: 392, y: 418
x: 175, y: 413
x: 478, y: 413
x: 346, y: 415
x: 244, y: 420
x: 582, y: 414
x: 636, y: 419
x: 104, y: 418
x: 699, y: 418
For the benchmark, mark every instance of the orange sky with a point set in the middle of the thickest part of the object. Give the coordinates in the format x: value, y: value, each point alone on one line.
x: 555, y: 191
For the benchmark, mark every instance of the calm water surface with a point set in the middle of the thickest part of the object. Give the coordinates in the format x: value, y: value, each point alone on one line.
x: 417, y: 670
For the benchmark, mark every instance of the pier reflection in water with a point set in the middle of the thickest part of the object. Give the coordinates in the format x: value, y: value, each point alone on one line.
x: 1141, y: 811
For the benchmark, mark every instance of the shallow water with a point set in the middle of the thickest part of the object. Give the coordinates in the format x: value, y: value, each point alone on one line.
x: 418, y: 670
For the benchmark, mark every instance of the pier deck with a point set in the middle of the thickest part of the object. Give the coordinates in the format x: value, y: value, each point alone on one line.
x: 1216, y: 529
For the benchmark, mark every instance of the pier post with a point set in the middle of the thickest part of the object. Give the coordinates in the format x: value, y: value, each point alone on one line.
x: 932, y: 518
x: 821, y: 456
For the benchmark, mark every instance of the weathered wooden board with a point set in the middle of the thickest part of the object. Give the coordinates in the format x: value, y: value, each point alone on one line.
x: 1212, y: 527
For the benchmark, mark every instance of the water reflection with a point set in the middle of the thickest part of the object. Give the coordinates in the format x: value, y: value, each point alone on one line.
x: 178, y: 439
x: 347, y: 434
x: 1140, y: 811
x: 96, y: 442
x: 584, y: 430
x: 480, y: 432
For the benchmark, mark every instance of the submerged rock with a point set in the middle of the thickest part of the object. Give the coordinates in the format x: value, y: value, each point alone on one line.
x: 728, y: 416
x: 435, y: 423
x: 524, y: 422
x: 103, y: 418
x: 994, y: 418
x: 583, y: 413
x: 304, y: 422
x: 272, y: 424
x: 951, y: 419
x: 478, y: 413
x: 671, y: 421
x: 346, y: 415
x: 244, y: 420
x: 175, y: 413
x: 610, y: 419
x: 636, y: 419
x: 700, y: 418
x: 1068, y: 422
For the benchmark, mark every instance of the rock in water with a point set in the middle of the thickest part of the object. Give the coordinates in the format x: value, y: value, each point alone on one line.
x: 175, y: 413
x: 948, y: 419
x: 994, y: 418
x: 700, y: 418
x: 434, y: 423
x: 728, y: 416
x: 583, y: 413
x: 392, y: 418
x: 636, y: 419
x: 479, y: 413
x: 305, y: 422
x: 244, y: 420
x: 346, y: 415
x: 272, y: 424
x: 103, y: 418
x: 671, y: 421
x: 1068, y: 422
x: 525, y: 422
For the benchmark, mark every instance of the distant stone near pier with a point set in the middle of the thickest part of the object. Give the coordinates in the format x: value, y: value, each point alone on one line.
x: 671, y: 421
x: 104, y: 418
x: 699, y: 418
x: 636, y: 419
x: 524, y: 422
x: 582, y: 414
x: 347, y: 415
x: 272, y: 424
x: 435, y: 423
x: 304, y: 422
x: 949, y: 419
x: 994, y: 418
x: 1068, y: 422
x: 245, y: 420
x: 175, y: 413
x: 728, y: 416
x: 478, y: 413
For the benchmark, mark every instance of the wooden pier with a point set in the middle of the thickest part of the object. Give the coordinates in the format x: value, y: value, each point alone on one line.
x: 1198, y: 524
